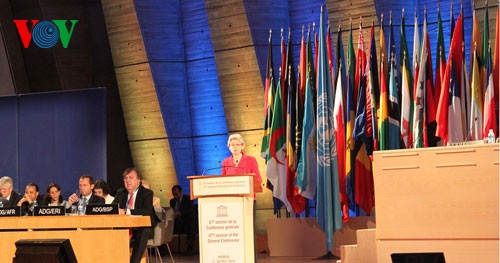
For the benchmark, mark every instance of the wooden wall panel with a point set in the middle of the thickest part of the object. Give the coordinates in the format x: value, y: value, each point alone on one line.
x: 146, y: 131
x: 237, y: 67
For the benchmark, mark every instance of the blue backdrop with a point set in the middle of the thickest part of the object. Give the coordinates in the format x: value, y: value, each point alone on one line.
x: 53, y: 137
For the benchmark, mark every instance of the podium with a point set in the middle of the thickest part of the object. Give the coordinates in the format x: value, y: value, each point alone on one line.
x: 225, y: 216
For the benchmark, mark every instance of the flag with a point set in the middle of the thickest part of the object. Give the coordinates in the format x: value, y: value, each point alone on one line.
x: 476, y: 43
x: 416, y: 52
x: 328, y: 211
x: 276, y: 159
x: 486, y: 41
x: 393, y: 94
x: 364, y: 194
x: 339, y: 126
x: 299, y: 98
x: 424, y: 107
x: 283, y: 73
x: 406, y: 134
x: 349, y: 141
x: 440, y: 59
x: 496, y: 60
x: 360, y: 61
x: 269, y: 93
x: 490, y: 115
x: 296, y: 201
x: 405, y: 124
x: 383, y: 51
x: 454, y: 57
x: 384, y: 111
x: 455, y: 133
x: 372, y: 92
x: 476, y: 117
x: 306, y: 168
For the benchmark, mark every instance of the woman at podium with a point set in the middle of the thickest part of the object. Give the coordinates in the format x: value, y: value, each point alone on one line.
x: 239, y: 162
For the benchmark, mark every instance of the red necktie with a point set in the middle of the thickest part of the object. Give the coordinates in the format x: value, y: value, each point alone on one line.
x: 130, y: 202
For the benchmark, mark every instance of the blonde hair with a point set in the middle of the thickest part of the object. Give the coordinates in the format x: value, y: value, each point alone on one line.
x: 238, y: 137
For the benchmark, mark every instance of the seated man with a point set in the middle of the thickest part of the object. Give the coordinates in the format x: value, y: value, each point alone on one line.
x: 184, y: 212
x: 85, y: 186
x: 9, y: 197
x: 101, y: 189
x: 30, y: 199
x: 134, y: 199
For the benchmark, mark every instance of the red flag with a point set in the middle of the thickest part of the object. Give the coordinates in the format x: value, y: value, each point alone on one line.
x: 454, y: 63
x: 360, y: 61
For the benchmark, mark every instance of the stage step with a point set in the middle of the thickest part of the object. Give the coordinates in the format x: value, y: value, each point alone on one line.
x: 365, y: 251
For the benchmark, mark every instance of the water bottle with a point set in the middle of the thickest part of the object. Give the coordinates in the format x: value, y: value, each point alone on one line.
x: 81, y: 206
x: 491, y: 136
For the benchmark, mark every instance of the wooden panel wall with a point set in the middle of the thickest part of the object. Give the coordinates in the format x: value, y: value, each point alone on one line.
x: 146, y: 131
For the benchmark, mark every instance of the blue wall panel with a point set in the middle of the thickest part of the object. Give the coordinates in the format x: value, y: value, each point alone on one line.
x: 178, y: 44
x: 62, y: 136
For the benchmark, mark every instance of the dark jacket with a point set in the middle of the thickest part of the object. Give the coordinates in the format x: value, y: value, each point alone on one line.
x: 12, y: 202
x: 143, y: 203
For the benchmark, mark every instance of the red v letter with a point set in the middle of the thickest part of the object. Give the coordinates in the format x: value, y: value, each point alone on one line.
x: 24, y: 33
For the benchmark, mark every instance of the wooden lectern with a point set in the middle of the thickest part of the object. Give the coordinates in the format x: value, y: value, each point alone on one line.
x: 225, y: 216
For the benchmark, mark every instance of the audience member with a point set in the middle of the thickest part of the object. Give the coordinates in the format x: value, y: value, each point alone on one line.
x: 185, y: 220
x: 156, y: 200
x: 101, y: 189
x: 9, y: 197
x: 85, y: 186
x: 134, y: 199
x: 30, y: 199
x: 53, y: 196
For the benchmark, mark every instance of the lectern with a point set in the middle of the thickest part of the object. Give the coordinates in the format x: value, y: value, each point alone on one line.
x: 225, y: 216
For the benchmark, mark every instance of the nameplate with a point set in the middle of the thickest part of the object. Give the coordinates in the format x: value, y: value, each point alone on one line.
x: 110, y: 209
x: 10, y: 211
x: 50, y: 211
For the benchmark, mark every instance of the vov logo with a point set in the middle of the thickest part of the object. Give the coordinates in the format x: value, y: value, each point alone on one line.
x: 45, y: 34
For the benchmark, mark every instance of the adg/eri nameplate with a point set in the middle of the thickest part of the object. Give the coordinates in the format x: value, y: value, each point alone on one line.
x: 49, y: 211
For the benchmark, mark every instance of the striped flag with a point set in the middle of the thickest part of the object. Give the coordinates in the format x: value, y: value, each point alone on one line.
x: 269, y: 92
x: 476, y: 116
x: 454, y: 58
x: 349, y: 161
x: 276, y: 159
x: 406, y: 112
x: 490, y: 115
x: 328, y: 211
x: 339, y: 126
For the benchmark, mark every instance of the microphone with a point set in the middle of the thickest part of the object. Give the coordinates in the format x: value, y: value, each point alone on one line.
x: 224, y: 166
x: 210, y: 169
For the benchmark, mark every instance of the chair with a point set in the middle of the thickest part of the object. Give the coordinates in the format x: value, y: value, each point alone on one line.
x: 162, y: 233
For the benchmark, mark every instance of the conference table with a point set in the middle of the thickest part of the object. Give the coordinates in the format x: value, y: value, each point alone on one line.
x: 94, y: 238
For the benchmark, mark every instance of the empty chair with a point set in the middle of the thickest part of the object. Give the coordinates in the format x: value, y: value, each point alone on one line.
x: 163, y: 233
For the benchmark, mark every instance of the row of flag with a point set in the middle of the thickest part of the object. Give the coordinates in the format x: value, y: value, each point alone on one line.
x: 322, y: 123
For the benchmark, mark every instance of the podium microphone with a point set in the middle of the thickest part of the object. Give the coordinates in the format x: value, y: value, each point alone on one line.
x: 210, y: 169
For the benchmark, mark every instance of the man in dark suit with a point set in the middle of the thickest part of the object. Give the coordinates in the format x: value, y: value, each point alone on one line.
x: 184, y: 216
x: 9, y: 197
x: 85, y: 186
x: 134, y: 199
